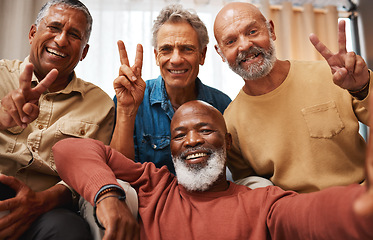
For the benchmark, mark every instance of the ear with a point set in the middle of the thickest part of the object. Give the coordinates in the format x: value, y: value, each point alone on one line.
x: 31, y: 33
x: 228, y: 141
x: 85, y: 51
x: 217, y: 49
x: 203, y: 56
x: 156, y: 57
x: 272, y: 30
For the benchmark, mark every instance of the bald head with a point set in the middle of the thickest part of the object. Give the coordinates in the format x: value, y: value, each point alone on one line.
x: 194, y: 110
x: 233, y: 12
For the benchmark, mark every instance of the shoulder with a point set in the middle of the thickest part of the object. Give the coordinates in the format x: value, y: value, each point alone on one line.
x: 10, y: 65
x: 91, y: 91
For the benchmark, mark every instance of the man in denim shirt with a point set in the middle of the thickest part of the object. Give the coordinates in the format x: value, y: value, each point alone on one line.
x: 180, y: 41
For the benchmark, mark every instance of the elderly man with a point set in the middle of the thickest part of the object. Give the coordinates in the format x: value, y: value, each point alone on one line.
x: 290, y: 123
x: 180, y: 42
x: 200, y: 203
x: 42, y: 102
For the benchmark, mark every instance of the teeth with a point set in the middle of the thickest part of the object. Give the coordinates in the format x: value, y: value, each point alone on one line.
x: 177, y: 71
x: 196, y: 155
x: 56, y: 52
x: 250, y: 57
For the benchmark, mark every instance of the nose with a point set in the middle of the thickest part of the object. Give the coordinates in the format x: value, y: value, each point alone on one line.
x: 61, y: 39
x: 193, y: 139
x: 176, y: 57
x: 244, y: 43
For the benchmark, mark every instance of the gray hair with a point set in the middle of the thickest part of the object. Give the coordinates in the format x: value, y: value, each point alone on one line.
x: 75, y: 4
x: 175, y: 13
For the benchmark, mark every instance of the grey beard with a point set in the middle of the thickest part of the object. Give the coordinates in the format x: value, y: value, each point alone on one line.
x: 200, y: 177
x: 255, y: 71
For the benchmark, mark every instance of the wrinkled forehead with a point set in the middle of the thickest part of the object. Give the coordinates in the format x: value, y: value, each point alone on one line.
x: 237, y: 12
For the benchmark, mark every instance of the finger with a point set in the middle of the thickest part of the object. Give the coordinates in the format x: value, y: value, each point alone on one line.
x: 350, y: 62
x: 139, y: 59
x: 361, y: 66
x: 9, y: 107
x: 123, y: 82
x: 342, y: 36
x: 320, y: 47
x: 122, y: 53
x: 26, y: 76
x: 32, y: 112
x: 11, y: 182
x: 127, y: 72
x: 46, y: 82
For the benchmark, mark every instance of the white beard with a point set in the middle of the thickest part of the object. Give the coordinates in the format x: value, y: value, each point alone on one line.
x: 255, y: 71
x: 200, y: 177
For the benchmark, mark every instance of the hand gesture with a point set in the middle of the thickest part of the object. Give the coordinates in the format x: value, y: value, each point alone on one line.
x: 24, y: 209
x: 117, y: 219
x: 349, y: 70
x: 20, y: 107
x: 129, y: 86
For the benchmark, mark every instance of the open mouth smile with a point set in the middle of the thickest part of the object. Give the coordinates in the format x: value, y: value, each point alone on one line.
x: 248, y: 58
x: 56, y: 53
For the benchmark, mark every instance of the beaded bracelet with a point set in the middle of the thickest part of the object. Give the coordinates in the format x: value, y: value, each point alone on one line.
x: 121, y: 198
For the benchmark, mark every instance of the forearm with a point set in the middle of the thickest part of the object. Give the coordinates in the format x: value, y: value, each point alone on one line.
x: 122, y: 139
x: 56, y: 196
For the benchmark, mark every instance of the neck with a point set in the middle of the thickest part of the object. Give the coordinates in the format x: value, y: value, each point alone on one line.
x: 180, y: 96
x: 269, y: 82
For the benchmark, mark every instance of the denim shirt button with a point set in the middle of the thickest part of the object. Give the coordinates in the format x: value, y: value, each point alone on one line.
x: 154, y: 146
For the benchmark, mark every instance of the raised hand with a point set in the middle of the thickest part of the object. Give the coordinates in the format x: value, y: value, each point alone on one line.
x: 349, y: 70
x: 20, y: 107
x: 129, y: 86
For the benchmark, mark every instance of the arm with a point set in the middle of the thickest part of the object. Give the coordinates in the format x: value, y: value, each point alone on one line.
x: 129, y: 89
x: 349, y: 70
x: 88, y: 165
x: 19, y: 107
x: 333, y: 213
x: 28, y: 205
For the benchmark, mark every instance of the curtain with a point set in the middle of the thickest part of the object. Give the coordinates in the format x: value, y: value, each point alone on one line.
x: 131, y: 21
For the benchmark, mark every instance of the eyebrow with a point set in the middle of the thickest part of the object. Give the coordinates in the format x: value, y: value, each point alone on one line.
x: 74, y: 30
x: 251, y: 24
x: 198, y: 125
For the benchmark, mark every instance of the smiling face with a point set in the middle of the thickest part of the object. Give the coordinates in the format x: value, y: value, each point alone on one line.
x: 199, y: 141
x: 245, y: 40
x: 59, y: 41
x: 178, y: 55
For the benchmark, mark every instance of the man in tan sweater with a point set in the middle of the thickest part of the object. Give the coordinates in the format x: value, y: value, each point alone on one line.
x: 294, y: 122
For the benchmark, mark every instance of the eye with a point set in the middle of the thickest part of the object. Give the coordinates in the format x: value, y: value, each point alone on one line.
x: 206, y: 131
x: 251, y: 32
x: 75, y: 35
x: 229, y: 42
x: 54, y: 28
x: 179, y: 136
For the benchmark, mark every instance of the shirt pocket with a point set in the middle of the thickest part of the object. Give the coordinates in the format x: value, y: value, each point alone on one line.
x: 77, y: 128
x: 156, y: 142
x: 323, y: 120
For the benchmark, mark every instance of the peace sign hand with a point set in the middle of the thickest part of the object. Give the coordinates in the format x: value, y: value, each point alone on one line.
x: 20, y: 106
x: 349, y: 70
x: 129, y: 86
